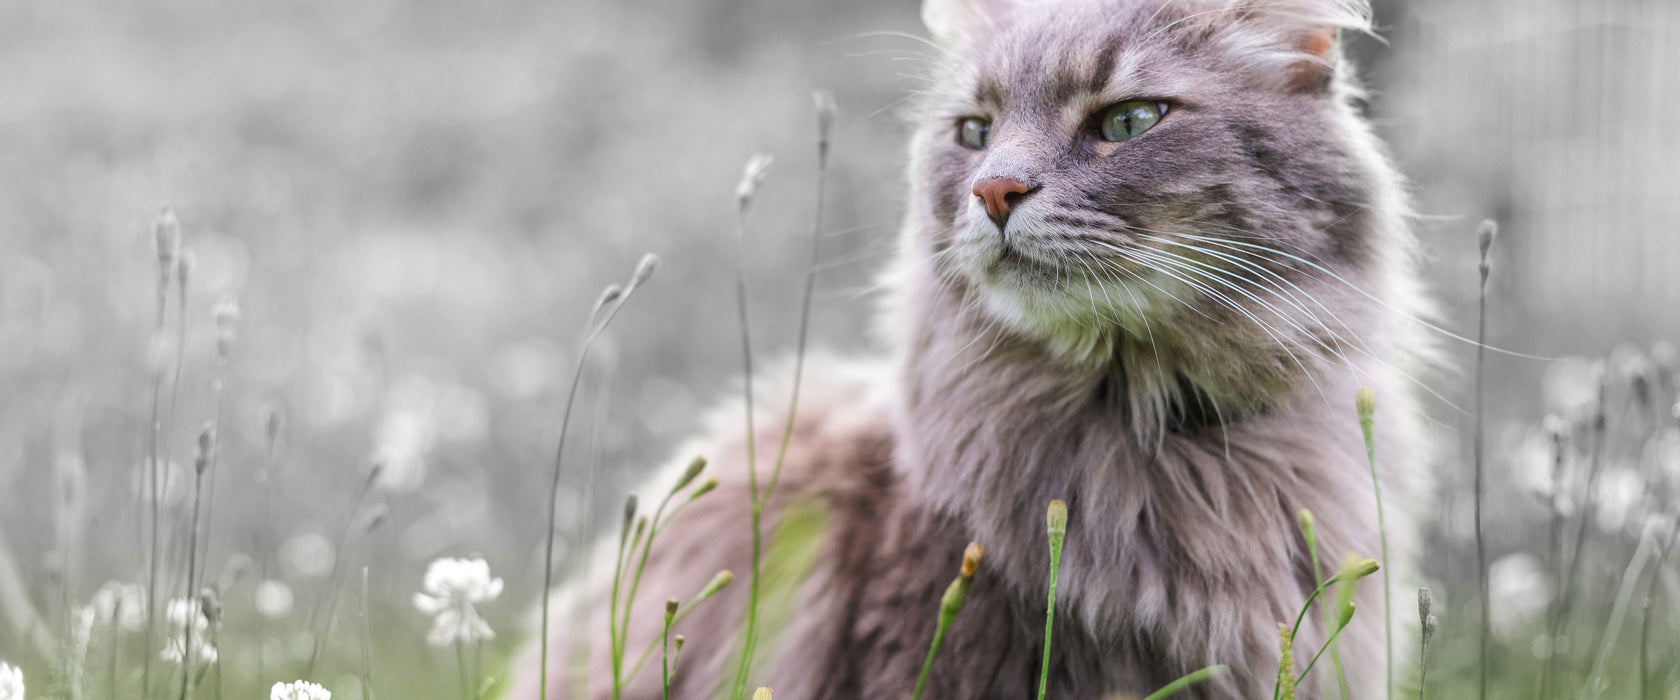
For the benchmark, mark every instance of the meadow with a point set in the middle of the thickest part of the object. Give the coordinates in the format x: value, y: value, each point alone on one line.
x: 346, y: 351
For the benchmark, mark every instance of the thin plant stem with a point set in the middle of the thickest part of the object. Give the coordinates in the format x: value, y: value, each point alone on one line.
x: 326, y: 607
x: 671, y: 607
x: 611, y: 300
x: 1337, y: 632
x: 167, y: 231
x: 1349, y: 574
x: 1630, y: 580
x: 721, y: 579
x: 206, y: 447
x: 749, y: 183
x: 1566, y: 599
x: 1309, y: 532
x: 635, y: 584
x: 272, y: 434
x: 1486, y: 234
x: 1555, y: 554
x: 1645, y: 621
x: 116, y: 646
x: 367, y: 641
x: 617, y: 582
x: 461, y: 664
x: 1185, y: 682
x: 1056, y: 528
x: 217, y: 387
x: 1365, y: 403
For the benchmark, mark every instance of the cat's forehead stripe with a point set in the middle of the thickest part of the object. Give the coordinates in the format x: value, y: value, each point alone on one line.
x: 1046, y: 71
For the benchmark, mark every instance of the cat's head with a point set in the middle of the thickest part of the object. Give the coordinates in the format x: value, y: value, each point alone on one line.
x: 1186, y: 172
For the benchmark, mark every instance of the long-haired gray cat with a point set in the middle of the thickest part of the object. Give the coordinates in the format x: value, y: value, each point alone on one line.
x: 1152, y: 249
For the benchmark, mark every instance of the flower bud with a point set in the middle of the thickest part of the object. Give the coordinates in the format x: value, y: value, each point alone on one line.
x: 693, y: 470
x: 1056, y: 517
x: 971, y: 559
x: 719, y: 580
x: 751, y: 176
x: 704, y: 488
x: 644, y: 270
x: 1365, y: 401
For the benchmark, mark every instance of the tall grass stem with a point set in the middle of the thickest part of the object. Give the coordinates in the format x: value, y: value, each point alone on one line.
x: 1056, y: 518
x: 1485, y: 236
x: 606, y: 308
x: 1365, y: 402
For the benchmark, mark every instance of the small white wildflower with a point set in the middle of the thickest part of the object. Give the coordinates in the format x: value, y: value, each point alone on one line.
x: 123, y: 604
x: 11, y: 682
x: 179, y: 612
x: 452, y: 588
x: 298, y: 690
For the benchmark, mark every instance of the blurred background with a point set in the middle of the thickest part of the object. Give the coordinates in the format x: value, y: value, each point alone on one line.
x: 416, y: 202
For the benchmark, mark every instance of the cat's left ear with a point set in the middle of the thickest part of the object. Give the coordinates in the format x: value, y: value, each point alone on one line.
x: 950, y: 21
x: 1296, y: 43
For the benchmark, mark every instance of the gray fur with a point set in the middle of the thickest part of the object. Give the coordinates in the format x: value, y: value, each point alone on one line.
x: 1177, y: 360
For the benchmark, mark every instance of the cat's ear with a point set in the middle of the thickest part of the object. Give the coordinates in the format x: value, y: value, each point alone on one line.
x: 1295, y: 42
x: 949, y: 21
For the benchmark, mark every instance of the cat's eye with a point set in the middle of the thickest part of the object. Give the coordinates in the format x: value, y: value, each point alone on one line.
x: 1128, y: 119
x: 973, y: 132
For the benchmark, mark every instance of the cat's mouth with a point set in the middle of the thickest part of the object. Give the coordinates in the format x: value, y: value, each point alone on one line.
x: 1014, y: 264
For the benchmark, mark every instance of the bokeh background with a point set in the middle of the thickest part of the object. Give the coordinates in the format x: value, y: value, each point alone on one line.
x: 415, y: 203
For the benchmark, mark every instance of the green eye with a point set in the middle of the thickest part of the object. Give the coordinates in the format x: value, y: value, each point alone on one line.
x: 972, y: 132
x: 1128, y: 119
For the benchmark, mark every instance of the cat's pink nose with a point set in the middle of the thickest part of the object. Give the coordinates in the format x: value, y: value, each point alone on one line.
x: 1001, y: 194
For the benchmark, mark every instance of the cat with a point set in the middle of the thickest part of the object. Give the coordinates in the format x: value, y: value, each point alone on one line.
x: 1151, y: 251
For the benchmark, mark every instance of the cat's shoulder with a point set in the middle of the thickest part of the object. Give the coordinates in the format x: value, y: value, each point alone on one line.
x: 839, y: 438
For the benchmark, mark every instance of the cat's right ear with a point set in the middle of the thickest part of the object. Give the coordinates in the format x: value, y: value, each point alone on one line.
x: 950, y: 21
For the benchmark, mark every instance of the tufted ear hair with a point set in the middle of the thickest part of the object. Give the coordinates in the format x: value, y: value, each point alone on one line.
x: 950, y: 21
x: 1294, y: 42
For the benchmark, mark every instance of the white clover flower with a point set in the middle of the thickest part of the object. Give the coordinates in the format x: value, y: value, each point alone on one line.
x: 121, y: 603
x: 179, y: 612
x: 452, y: 588
x: 11, y: 682
x: 298, y: 690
